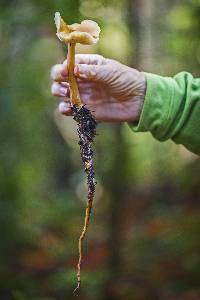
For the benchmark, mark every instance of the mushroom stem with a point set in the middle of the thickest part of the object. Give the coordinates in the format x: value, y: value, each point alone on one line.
x: 74, y: 92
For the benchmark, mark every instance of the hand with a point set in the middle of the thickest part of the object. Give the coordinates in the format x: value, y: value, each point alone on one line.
x: 112, y: 91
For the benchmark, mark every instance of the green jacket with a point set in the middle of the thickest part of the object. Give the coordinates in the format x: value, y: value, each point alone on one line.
x: 172, y: 110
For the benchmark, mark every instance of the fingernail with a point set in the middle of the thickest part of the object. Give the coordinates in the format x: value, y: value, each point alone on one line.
x: 62, y: 91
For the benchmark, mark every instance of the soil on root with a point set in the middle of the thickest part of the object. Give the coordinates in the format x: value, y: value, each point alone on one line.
x: 86, y: 131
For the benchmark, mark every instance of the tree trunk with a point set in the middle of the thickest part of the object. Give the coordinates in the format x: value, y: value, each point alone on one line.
x: 140, y: 19
x: 116, y: 190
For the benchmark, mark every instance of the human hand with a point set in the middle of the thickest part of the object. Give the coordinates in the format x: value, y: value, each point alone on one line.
x: 112, y: 91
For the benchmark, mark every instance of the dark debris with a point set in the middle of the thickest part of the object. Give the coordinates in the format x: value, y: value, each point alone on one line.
x: 86, y: 131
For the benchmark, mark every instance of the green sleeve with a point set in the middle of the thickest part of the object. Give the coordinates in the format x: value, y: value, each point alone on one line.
x: 172, y: 110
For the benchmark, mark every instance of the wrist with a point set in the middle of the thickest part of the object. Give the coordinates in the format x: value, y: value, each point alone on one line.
x: 139, y: 98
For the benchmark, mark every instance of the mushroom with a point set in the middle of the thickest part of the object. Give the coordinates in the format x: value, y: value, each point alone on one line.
x: 86, y: 33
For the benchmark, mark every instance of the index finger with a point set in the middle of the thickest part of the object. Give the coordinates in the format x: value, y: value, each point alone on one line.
x: 86, y: 59
x: 90, y: 59
x: 59, y: 71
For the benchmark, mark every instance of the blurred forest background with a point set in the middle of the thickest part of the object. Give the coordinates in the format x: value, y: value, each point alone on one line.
x: 143, y: 240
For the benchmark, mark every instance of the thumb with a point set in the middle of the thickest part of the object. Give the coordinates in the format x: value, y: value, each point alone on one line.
x: 98, y: 73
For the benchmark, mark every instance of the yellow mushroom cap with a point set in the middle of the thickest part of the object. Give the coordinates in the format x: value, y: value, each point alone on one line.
x: 85, y: 33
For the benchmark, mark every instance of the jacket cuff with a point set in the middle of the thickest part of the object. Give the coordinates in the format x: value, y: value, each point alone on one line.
x: 157, y: 113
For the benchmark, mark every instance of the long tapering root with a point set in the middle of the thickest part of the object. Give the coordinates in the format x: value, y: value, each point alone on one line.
x: 86, y: 131
x: 80, y: 243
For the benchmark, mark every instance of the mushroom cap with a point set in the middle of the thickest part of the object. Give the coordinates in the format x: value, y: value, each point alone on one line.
x: 86, y: 33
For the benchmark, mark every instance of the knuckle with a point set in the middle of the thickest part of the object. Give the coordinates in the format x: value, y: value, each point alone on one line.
x: 116, y: 73
x: 108, y: 73
x: 111, y: 61
x: 100, y: 59
x: 98, y: 56
x: 92, y: 72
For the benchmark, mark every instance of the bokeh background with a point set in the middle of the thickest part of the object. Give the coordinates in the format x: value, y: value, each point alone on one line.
x: 143, y: 241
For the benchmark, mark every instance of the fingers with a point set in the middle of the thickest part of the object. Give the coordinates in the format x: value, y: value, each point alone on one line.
x: 59, y: 71
x: 90, y: 59
x: 102, y: 73
x: 86, y: 90
x: 60, y: 89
